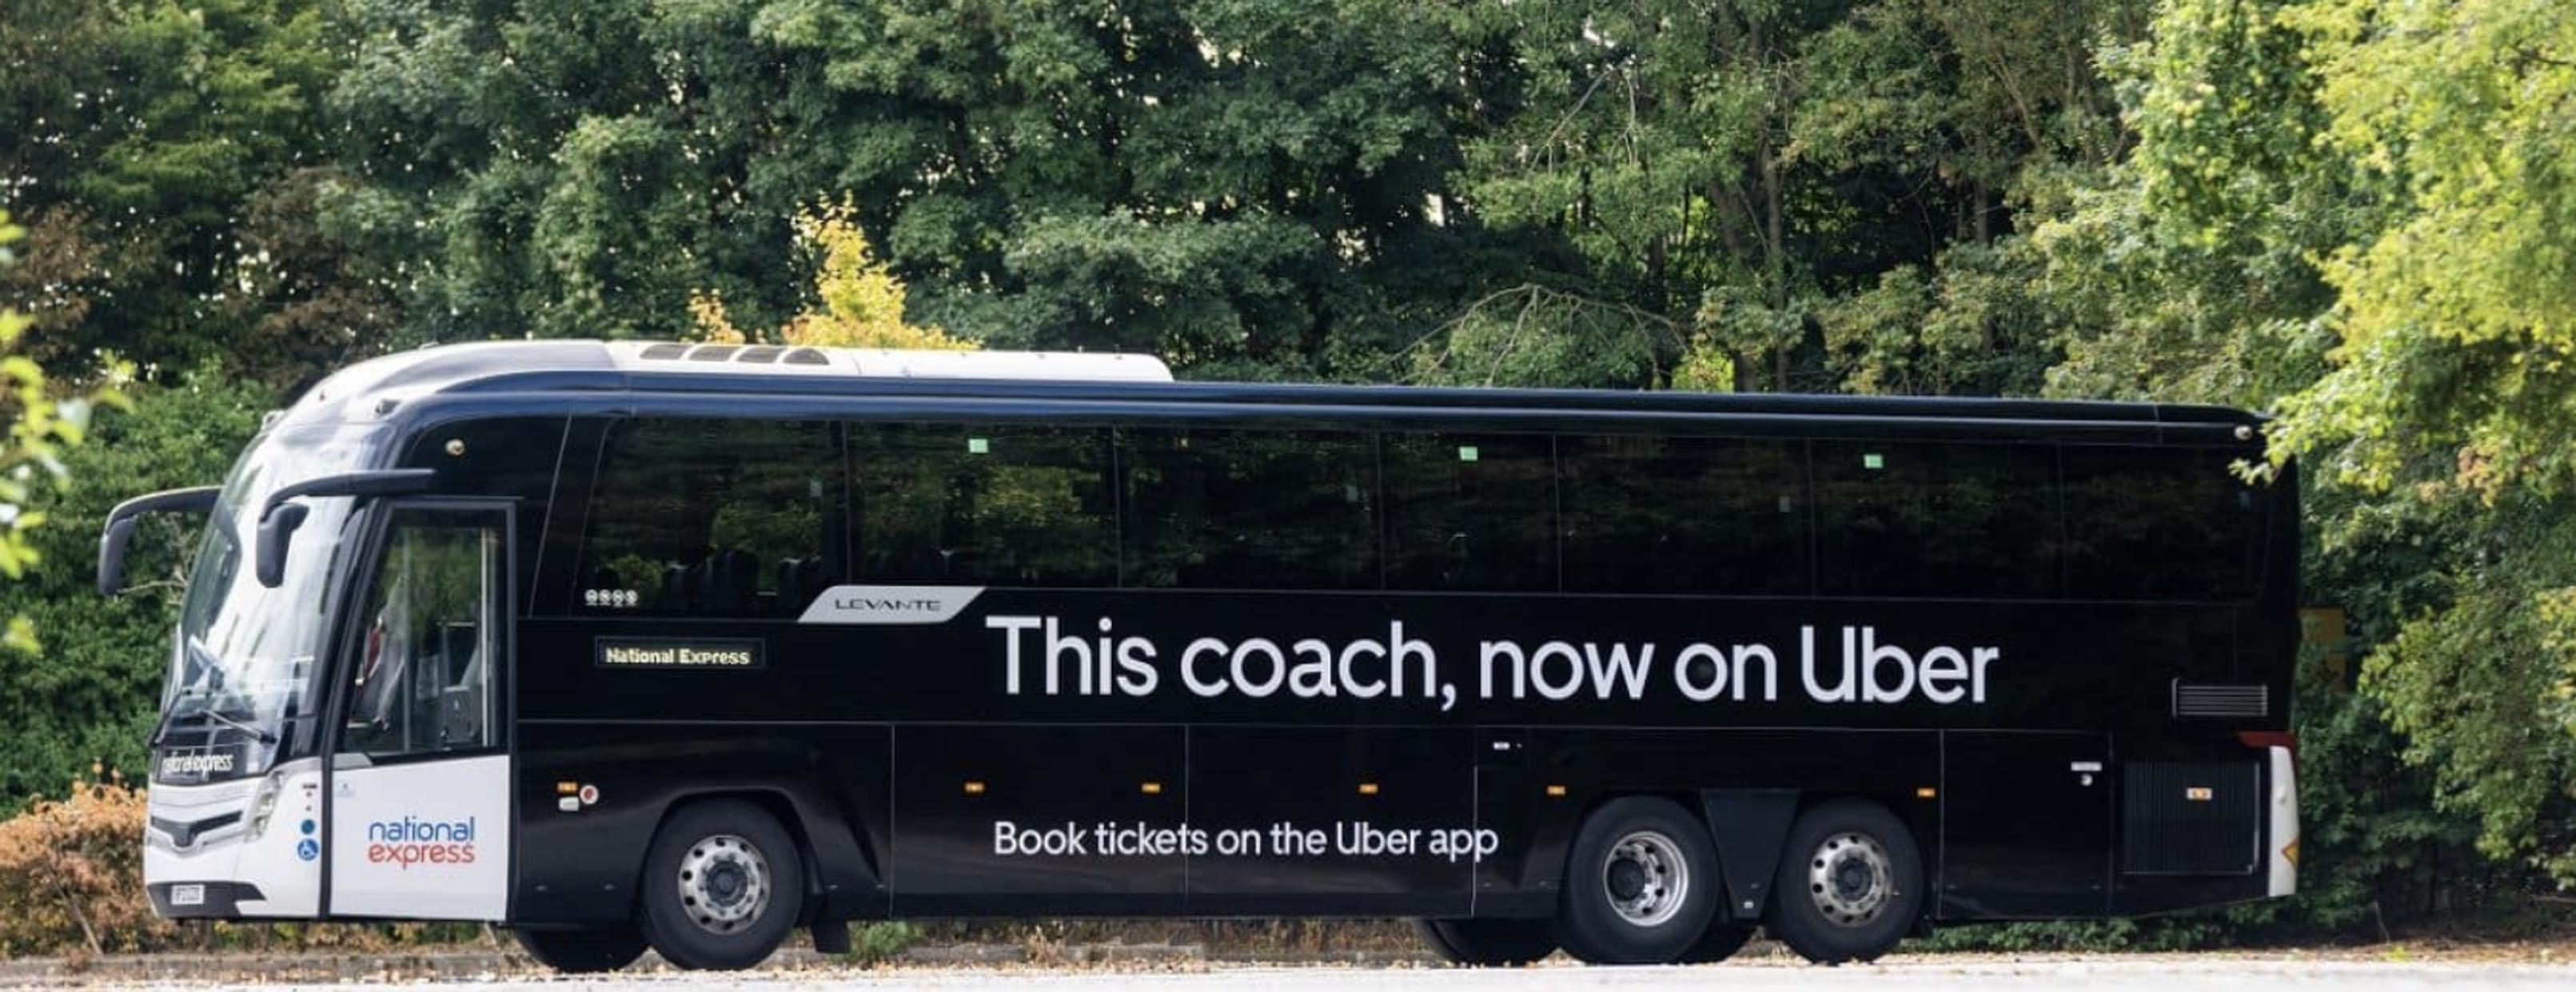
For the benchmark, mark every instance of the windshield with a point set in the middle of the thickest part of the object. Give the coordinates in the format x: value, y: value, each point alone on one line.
x: 242, y: 668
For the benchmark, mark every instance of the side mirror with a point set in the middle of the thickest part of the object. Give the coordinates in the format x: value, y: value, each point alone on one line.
x: 273, y: 535
x: 278, y: 517
x: 119, y: 529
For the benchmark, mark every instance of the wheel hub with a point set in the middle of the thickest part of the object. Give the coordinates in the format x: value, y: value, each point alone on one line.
x: 1851, y: 879
x: 1645, y: 878
x: 724, y: 883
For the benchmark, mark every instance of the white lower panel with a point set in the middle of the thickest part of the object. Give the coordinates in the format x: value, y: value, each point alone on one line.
x: 281, y: 858
x: 422, y: 840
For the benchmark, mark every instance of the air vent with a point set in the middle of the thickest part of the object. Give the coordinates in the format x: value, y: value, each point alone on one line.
x: 2191, y: 817
x: 807, y: 356
x: 663, y: 351
x: 2219, y: 699
x: 763, y: 353
x: 712, y: 352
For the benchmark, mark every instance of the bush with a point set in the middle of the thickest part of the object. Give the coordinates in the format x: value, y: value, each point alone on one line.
x: 71, y: 877
x: 87, y: 696
x: 71, y: 883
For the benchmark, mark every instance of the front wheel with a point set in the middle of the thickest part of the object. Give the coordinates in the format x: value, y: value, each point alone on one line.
x: 1640, y: 884
x: 723, y: 886
x: 1850, y: 883
x: 584, y: 951
x: 1488, y: 943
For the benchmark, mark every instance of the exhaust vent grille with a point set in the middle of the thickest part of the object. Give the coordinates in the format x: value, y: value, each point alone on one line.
x: 2220, y: 699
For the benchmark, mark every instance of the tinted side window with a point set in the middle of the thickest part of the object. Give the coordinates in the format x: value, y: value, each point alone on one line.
x: 1469, y: 511
x: 713, y: 517
x: 1933, y: 519
x: 1223, y: 509
x: 1684, y: 514
x: 2153, y: 523
x: 994, y: 504
x: 512, y: 457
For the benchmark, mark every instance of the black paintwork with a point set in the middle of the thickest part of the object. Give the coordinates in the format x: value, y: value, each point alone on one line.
x: 865, y: 738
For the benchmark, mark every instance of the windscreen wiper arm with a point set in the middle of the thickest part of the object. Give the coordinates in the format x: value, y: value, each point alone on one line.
x: 255, y: 730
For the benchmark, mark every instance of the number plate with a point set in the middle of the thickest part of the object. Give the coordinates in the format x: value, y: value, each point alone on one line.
x: 187, y: 895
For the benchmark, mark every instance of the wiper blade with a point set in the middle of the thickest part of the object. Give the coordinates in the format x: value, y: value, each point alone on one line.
x: 256, y: 731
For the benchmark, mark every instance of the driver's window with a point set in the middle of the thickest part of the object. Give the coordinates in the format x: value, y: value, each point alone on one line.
x: 426, y: 675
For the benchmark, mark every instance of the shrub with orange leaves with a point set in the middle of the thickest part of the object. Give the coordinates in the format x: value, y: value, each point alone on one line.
x: 71, y: 877
x: 71, y: 883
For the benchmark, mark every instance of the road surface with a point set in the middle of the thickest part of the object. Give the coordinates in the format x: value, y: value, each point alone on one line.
x: 2160, y: 973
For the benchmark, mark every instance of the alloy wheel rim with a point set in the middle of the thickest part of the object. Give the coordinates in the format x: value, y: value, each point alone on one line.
x: 1851, y: 879
x: 724, y: 884
x: 1645, y: 878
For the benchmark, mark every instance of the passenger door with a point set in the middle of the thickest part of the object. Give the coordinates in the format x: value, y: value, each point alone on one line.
x: 419, y: 796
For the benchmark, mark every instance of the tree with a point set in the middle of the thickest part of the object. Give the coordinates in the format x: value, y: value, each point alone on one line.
x: 42, y: 426
x: 2304, y: 175
x: 89, y: 697
x: 862, y: 301
x: 1786, y: 182
x: 1245, y: 187
x: 140, y: 133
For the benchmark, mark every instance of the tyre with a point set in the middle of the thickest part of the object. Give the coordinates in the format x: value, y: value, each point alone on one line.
x: 1850, y: 883
x: 723, y: 886
x: 584, y: 951
x: 1640, y: 884
x: 1488, y: 943
x: 1719, y: 943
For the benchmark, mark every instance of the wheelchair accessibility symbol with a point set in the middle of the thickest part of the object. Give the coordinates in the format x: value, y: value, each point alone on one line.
x: 308, y: 849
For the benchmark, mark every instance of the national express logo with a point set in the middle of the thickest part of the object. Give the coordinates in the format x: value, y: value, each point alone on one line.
x: 412, y: 841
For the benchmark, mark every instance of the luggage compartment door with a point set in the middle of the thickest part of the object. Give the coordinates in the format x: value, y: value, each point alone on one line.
x: 2025, y: 824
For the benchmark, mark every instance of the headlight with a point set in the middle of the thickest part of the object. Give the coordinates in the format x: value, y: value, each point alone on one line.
x: 264, y: 802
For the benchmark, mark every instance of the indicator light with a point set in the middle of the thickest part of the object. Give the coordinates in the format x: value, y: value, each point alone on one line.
x: 1926, y: 792
x: 567, y: 788
x: 1153, y: 788
x: 1368, y: 788
x: 1556, y: 792
x: 974, y: 788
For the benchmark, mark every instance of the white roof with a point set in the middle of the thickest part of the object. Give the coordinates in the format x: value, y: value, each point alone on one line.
x: 648, y: 356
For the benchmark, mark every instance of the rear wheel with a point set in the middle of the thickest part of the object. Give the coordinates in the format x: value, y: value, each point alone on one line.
x: 1640, y: 885
x: 583, y: 951
x: 1719, y: 943
x: 1850, y: 883
x: 723, y: 886
x: 1488, y: 943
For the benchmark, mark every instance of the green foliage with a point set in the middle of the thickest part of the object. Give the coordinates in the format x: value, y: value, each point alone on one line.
x: 1229, y: 183
x: 2457, y: 306
x: 2347, y: 211
x: 88, y: 697
x: 1787, y: 181
x: 879, y: 942
x: 138, y: 133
